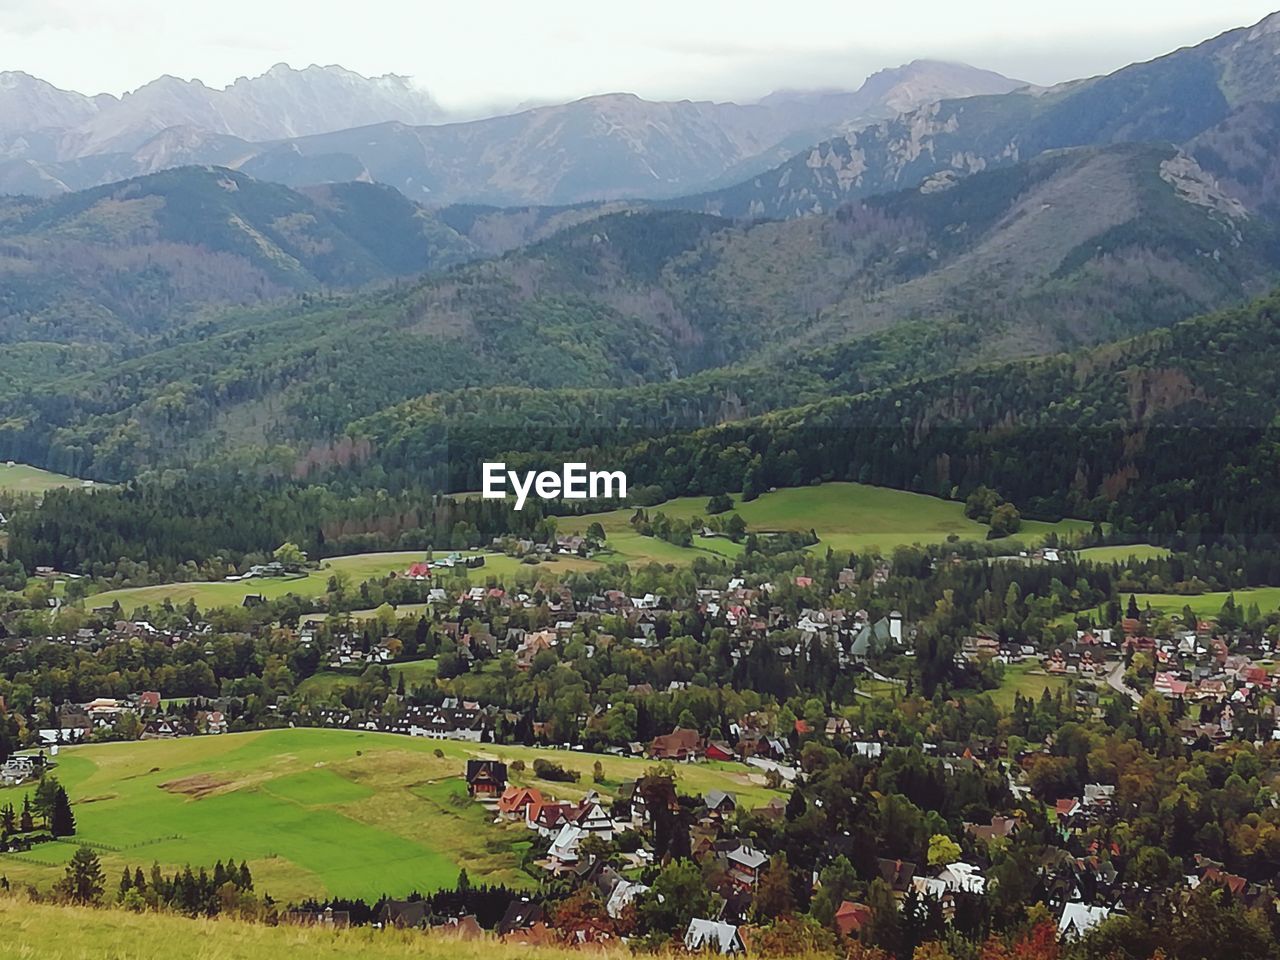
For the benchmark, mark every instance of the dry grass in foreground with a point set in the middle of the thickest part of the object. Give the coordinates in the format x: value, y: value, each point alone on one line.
x: 36, y: 931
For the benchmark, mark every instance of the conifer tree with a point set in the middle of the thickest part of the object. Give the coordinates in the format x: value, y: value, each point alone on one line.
x: 62, y: 822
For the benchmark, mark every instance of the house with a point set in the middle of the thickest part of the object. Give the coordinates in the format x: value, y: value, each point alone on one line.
x: 998, y: 828
x: 564, y: 849
x: 486, y: 778
x: 591, y: 817
x: 215, y: 722
x: 718, y: 750
x: 720, y: 804
x: 515, y: 801
x: 744, y: 866
x: 1098, y: 795
x: 713, y: 936
x: 404, y: 913
x: 623, y: 895
x: 547, y: 818
x: 1079, y: 918
x: 898, y: 874
x: 418, y: 571
x: 520, y: 915
x: 680, y: 744
x: 851, y: 917
x: 962, y: 878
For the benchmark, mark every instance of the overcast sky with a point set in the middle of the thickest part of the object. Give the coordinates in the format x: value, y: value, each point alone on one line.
x: 477, y: 53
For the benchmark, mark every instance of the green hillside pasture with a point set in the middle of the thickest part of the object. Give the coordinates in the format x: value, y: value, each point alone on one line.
x: 359, y: 568
x: 314, y: 811
x: 1206, y: 605
x: 846, y: 516
x: 20, y: 478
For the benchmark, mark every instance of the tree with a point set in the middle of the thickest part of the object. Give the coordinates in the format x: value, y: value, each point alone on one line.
x: 290, y: 555
x: 1005, y: 520
x: 720, y: 503
x: 46, y: 792
x: 773, y: 897
x: 62, y: 822
x: 677, y: 896
x: 84, y: 880
x: 942, y: 850
x: 26, y: 823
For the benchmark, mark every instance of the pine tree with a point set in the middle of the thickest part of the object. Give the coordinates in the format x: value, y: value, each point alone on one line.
x: 8, y: 819
x: 246, y: 879
x: 126, y: 884
x: 46, y: 792
x: 26, y: 823
x: 84, y: 880
x: 62, y: 822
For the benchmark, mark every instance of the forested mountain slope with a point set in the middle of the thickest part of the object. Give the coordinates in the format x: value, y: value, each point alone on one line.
x: 128, y: 260
x: 1170, y: 433
x: 1171, y: 99
x: 1070, y: 249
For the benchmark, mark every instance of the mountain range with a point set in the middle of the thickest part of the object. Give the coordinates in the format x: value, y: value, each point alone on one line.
x: 1206, y: 93
x: 202, y: 317
x: 326, y: 124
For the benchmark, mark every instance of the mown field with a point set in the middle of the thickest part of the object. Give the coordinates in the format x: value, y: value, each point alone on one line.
x: 1207, y: 605
x: 1028, y: 679
x: 314, y: 811
x: 34, y: 931
x: 846, y: 516
x: 20, y: 478
x: 358, y: 567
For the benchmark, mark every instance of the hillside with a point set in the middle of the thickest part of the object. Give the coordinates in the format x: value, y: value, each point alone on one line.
x: 128, y: 260
x: 1171, y: 99
x: 317, y: 812
x: 680, y: 312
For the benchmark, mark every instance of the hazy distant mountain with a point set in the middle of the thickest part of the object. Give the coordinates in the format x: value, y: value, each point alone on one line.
x: 281, y: 103
x: 323, y: 125
x: 887, y: 93
x: 1172, y: 99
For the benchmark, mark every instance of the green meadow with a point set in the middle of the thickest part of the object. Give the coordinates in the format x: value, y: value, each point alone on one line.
x: 359, y: 568
x: 1028, y: 679
x: 313, y: 811
x: 1206, y: 605
x: 20, y: 478
x: 846, y: 516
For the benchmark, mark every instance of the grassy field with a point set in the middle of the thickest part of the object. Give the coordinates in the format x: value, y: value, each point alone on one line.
x: 1203, y: 604
x: 1028, y: 679
x: 327, y: 682
x: 846, y: 516
x: 1120, y: 554
x: 313, y: 811
x: 359, y: 568
x: 34, y: 931
x: 21, y: 478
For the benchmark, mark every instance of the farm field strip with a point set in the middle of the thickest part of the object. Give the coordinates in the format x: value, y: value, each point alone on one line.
x: 315, y: 811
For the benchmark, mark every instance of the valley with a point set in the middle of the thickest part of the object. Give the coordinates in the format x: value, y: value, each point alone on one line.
x: 940, y: 617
